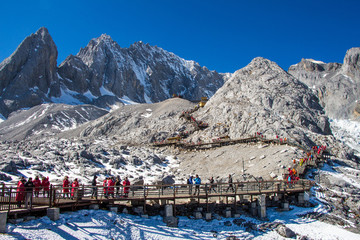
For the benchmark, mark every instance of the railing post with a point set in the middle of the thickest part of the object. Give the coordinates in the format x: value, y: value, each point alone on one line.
x: 50, y: 195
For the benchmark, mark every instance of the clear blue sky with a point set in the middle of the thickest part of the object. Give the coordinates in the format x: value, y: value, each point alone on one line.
x: 221, y: 35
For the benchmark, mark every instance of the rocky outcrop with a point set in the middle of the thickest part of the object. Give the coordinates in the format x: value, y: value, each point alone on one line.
x: 29, y: 76
x: 264, y: 98
x: 337, y: 85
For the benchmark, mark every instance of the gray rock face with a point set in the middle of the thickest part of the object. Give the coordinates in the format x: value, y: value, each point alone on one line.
x: 29, y: 76
x: 142, y: 73
x: 264, y: 98
x: 337, y: 85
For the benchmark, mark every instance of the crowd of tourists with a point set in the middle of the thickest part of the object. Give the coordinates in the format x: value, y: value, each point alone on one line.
x: 27, y: 188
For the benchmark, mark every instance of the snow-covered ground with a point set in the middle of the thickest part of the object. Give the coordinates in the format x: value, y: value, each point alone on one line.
x: 102, y: 224
x: 348, y: 132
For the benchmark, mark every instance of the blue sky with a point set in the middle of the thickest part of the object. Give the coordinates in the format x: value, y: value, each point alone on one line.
x: 221, y: 35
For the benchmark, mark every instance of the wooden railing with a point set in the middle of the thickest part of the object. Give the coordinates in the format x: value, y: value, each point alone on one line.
x: 83, y: 194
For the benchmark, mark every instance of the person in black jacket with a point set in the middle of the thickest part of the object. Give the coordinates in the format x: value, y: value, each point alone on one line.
x: 94, y: 188
x: 230, y: 187
x: 117, y: 185
x: 29, y: 186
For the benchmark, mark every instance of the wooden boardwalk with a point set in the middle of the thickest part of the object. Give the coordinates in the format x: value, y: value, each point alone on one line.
x: 176, y: 142
x: 143, y: 194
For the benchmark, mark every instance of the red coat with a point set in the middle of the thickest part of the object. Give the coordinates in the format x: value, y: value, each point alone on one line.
x: 45, y: 184
x: 37, y: 184
x: 111, y: 185
x: 74, y: 185
x: 105, y: 186
x: 126, y: 183
x: 66, y: 185
x: 20, y: 192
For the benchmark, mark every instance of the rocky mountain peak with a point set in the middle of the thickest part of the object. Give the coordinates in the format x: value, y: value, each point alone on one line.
x: 262, y: 97
x: 33, y: 66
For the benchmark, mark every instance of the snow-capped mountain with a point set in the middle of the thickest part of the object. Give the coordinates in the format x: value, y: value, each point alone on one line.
x: 142, y: 73
x: 101, y: 74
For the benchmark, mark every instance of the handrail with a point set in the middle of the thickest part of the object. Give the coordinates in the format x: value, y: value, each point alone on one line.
x: 82, y: 193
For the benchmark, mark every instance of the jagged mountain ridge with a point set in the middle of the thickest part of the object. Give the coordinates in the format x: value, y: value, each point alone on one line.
x: 336, y: 85
x: 144, y: 73
x: 101, y: 74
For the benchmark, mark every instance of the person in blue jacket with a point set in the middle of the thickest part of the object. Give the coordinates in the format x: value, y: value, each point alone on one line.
x: 197, y: 182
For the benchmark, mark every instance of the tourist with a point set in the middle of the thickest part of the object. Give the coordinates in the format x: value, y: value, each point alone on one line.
x: 190, y: 183
x: 45, y: 184
x: 117, y: 185
x: 111, y: 184
x: 37, y: 184
x: 212, y: 185
x: 197, y: 182
x: 74, y: 188
x: 20, y: 191
x: 66, y: 185
x: 230, y: 181
x: 105, y: 185
x: 94, y: 187
x: 126, y: 184
x: 29, y: 187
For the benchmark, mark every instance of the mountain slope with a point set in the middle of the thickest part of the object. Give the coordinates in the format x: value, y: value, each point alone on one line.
x: 46, y: 120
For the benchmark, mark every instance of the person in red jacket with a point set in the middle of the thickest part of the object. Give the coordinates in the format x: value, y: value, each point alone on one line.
x: 111, y: 184
x: 105, y: 185
x: 75, y: 188
x: 126, y: 183
x: 37, y: 184
x: 45, y: 184
x: 66, y: 185
x: 20, y: 192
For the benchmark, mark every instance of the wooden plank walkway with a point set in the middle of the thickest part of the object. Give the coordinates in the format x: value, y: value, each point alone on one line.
x: 143, y: 193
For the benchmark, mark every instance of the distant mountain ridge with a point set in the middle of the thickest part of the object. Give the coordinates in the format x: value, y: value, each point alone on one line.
x: 101, y: 74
